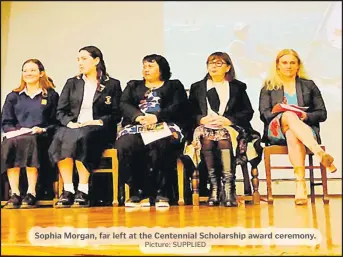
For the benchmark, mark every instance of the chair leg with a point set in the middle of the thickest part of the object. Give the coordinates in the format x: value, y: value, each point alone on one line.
x: 312, y: 184
x: 324, y: 184
x: 6, y: 190
x: 6, y: 193
x: 127, y: 192
x: 246, y: 180
x: 195, y: 187
x: 60, y: 184
x: 115, y: 176
x: 115, y: 187
x: 56, y: 188
x: 268, y: 177
x: 180, y: 179
x: 255, y: 182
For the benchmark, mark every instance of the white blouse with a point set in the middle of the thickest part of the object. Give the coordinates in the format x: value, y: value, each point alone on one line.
x: 223, y: 90
x: 86, y: 111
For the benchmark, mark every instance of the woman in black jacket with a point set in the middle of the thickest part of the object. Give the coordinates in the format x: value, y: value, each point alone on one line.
x: 154, y: 103
x: 287, y: 83
x: 221, y: 113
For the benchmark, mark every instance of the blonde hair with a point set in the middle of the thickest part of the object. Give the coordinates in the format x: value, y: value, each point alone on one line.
x: 273, y: 80
x: 45, y: 82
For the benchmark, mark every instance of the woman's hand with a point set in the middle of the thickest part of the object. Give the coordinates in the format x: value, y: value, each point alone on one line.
x: 139, y: 119
x: 92, y: 123
x: 225, y: 121
x: 303, y: 116
x: 216, y: 121
x: 149, y: 119
x: 207, y: 120
x: 38, y: 130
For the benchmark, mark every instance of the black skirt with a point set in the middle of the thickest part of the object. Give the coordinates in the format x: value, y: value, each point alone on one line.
x: 25, y: 151
x: 85, y: 144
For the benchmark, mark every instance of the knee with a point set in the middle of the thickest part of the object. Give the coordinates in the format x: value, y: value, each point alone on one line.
x: 293, y: 143
x: 126, y: 146
x: 123, y: 143
x: 289, y: 117
x: 206, y: 145
x: 287, y: 120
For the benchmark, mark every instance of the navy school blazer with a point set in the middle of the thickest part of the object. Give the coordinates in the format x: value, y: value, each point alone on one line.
x: 105, y: 102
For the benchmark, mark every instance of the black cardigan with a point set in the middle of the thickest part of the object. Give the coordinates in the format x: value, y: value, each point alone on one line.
x: 173, y: 102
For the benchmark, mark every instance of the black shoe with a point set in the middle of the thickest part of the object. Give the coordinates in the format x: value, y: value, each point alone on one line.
x: 229, y: 191
x: 213, y: 199
x: 66, y: 200
x: 136, y: 199
x: 29, y: 201
x: 161, y: 201
x: 14, y: 202
x: 81, y: 200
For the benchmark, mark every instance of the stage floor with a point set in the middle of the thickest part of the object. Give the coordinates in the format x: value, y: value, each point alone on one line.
x: 16, y: 224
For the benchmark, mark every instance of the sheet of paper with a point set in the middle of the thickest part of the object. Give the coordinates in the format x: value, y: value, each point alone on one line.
x: 286, y: 107
x: 18, y: 132
x: 151, y: 136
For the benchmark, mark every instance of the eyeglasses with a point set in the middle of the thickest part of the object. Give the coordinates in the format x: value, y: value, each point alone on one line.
x: 218, y: 63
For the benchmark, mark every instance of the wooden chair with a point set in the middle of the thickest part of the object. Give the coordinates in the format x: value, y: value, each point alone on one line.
x: 196, y: 199
x: 282, y: 150
x: 108, y: 153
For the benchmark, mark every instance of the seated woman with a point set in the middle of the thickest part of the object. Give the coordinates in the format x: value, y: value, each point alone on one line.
x: 28, y: 122
x: 155, y: 101
x: 88, y: 110
x: 287, y: 83
x: 222, y: 111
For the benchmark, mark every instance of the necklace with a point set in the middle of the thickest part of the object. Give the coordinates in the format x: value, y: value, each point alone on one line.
x: 154, y: 86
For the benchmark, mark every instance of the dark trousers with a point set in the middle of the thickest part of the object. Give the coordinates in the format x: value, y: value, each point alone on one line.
x: 146, y: 167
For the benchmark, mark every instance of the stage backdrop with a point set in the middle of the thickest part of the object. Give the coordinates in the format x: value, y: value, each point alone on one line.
x: 186, y: 33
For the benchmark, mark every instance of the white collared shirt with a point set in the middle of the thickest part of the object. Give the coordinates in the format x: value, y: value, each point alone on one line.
x: 86, y: 110
x: 27, y: 93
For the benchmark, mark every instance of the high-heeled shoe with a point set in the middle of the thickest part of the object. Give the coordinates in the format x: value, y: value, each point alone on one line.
x: 300, y: 192
x: 327, y: 161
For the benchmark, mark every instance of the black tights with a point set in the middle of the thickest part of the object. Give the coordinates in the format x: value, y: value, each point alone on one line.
x: 209, y: 147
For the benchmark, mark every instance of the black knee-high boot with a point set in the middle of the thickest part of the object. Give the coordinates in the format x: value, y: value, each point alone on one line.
x: 229, y: 180
x: 213, y: 199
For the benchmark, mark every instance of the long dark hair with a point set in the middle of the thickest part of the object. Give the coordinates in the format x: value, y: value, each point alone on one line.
x: 101, y: 73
